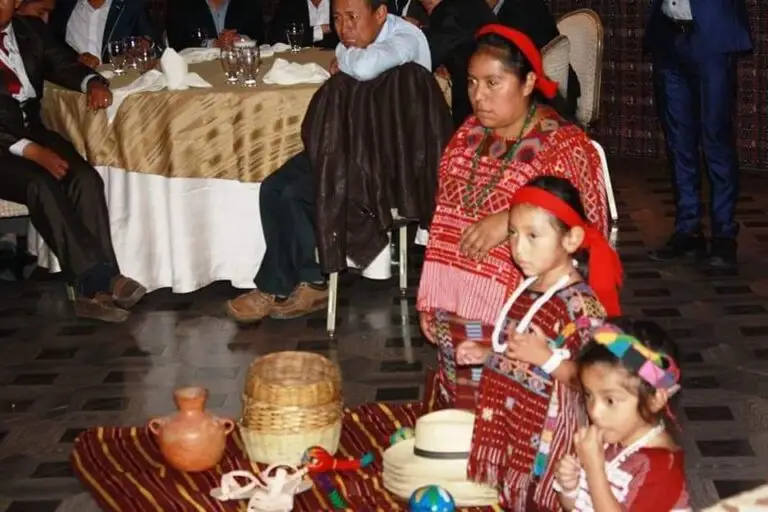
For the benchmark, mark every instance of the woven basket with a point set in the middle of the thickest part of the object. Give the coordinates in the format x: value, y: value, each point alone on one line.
x: 292, y: 401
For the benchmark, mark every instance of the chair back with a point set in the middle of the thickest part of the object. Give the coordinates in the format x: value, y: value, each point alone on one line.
x: 584, y: 30
x: 612, y: 209
x: 555, y: 58
x: 9, y: 210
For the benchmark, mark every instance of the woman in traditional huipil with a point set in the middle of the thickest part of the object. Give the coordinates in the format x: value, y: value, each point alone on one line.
x: 514, y: 135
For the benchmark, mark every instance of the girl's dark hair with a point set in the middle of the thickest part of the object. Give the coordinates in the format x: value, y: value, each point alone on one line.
x: 564, y: 190
x: 651, y: 335
x: 515, y: 62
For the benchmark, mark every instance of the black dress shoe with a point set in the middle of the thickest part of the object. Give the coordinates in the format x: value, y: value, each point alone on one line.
x: 722, y: 254
x: 680, y: 245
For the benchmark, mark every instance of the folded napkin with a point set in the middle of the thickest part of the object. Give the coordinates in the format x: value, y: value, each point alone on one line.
x: 198, y: 55
x: 289, y: 73
x: 269, y: 50
x: 175, y: 75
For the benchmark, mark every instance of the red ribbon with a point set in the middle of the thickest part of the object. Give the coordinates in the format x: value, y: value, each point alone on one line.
x: 605, y: 271
x: 546, y: 86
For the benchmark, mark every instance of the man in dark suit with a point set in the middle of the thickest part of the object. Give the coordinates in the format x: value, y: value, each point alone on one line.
x: 221, y: 21
x: 71, y: 22
x: 314, y: 16
x: 40, y: 169
x: 694, y: 45
x: 451, y: 35
x: 534, y: 19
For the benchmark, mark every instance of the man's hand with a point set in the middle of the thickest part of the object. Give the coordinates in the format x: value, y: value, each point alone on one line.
x: 326, y: 29
x: 226, y: 39
x: 334, y: 66
x: 99, y: 95
x: 89, y: 60
x: 484, y: 235
x: 47, y: 159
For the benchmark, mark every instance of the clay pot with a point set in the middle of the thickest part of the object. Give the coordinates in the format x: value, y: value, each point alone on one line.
x: 191, y: 440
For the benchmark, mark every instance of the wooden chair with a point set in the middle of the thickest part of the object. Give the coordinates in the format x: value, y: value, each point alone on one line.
x: 555, y: 57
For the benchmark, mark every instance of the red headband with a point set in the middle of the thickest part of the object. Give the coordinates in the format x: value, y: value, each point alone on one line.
x: 546, y: 86
x: 605, y: 272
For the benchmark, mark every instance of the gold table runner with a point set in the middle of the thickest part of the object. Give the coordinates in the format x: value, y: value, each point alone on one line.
x: 227, y: 131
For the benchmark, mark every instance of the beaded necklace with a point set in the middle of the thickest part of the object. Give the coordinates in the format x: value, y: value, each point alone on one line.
x: 473, y: 206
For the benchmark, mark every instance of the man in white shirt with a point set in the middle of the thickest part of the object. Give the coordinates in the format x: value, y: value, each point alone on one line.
x: 89, y: 25
x: 373, y: 41
x: 313, y: 15
x: 42, y: 170
x: 290, y: 283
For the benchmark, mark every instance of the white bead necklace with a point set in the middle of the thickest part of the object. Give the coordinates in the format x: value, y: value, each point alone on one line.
x: 630, y: 450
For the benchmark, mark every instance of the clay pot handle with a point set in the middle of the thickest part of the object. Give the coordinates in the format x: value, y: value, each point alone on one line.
x: 155, y: 425
x: 228, y: 424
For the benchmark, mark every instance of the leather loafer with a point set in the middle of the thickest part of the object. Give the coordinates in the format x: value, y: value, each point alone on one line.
x: 100, y: 307
x: 679, y: 246
x: 126, y: 292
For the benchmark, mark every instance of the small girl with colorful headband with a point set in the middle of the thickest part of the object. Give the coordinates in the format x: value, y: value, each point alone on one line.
x: 529, y: 403
x: 627, y: 460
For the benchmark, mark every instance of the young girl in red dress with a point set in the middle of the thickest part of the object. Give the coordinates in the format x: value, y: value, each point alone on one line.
x: 529, y: 405
x: 627, y: 461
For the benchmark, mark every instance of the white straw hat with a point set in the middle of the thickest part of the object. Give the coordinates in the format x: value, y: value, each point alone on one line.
x: 437, y: 455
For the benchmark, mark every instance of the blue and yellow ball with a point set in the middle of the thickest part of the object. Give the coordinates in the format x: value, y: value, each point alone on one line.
x: 431, y: 498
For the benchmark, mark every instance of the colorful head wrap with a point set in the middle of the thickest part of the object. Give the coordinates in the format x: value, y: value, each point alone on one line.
x: 657, y: 369
x: 605, y: 272
x: 524, y: 43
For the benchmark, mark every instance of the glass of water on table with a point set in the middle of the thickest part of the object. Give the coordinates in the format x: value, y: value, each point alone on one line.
x: 249, y: 61
x: 117, y: 56
x: 294, y: 32
x: 230, y: 64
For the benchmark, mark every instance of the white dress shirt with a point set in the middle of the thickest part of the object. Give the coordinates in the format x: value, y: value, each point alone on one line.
x: 677, y: 9
x: 16, y: 64
x: 398, y: 42
x: 319, y: 16
x: 85, y: 28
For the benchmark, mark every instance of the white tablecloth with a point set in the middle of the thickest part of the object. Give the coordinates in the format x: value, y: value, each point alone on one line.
x: 182, y: 233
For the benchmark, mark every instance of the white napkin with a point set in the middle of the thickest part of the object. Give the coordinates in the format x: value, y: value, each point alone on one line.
x: 289, y: 73
x: 198, y: 55
x: 269, y: 50
x: 175, y: 75
x: 176, y: 71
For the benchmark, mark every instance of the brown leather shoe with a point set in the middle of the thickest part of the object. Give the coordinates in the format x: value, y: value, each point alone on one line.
x: 126, y: 292
x: 250, y: 307
x: 101, y: 307
x: 303, y: 300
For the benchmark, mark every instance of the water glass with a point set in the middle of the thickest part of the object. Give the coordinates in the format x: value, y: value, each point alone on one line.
x: 294, y: 32
x: 199, y: 37
x: 229, y: 61
x: 145, y: 59
x: 117, y: 56
x: 249, y: 60
x: 132, y: 45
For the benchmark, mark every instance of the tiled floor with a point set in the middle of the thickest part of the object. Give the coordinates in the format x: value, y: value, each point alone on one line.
x: 59, y: 376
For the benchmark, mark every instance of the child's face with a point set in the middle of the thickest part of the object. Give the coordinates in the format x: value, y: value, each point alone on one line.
x: 537, y: 245
x: 612, y: 407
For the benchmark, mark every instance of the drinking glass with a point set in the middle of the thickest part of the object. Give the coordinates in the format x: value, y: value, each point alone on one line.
x: 199, y: 37
x: 249, y: 59
x: 229, y: 62
x: 145, y: 59
x: 132, y: 45
x: 294, y: 32
x: 117, y: 56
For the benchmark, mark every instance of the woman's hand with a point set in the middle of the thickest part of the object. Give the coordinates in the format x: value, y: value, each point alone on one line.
x: 484, y: 235
x: 567, y: 474
x: 530, y: 347
x: 427, y: 325
x: 470, y: 353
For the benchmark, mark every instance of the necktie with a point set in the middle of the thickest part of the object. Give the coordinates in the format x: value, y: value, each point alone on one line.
x: 10, y: 78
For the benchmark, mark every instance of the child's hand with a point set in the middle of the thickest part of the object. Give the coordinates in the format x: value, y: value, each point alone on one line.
x: 530, y: 347
x: 471, y: 353
x: 567, y: 474
x: 589, y: 447
x: 427, y: 326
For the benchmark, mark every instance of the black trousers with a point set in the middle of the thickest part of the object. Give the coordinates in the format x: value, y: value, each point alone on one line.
x: 287, y: 206
x: 71, y: 215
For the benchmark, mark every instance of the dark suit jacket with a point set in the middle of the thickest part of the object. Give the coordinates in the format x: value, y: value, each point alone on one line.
x: 126, y: 18
x: 290, y: 11
x: 533, y: 18
x: 451, y: 36
x: 44, y: 58
x: 184, y: 16
x: 719, y: 26
x: 415, y: 9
